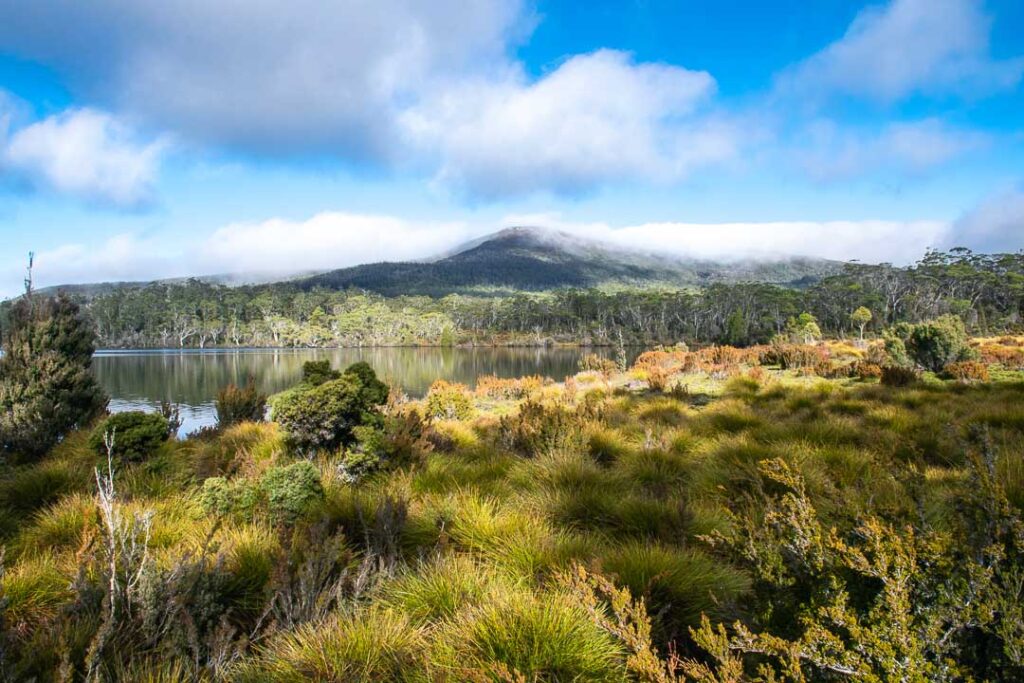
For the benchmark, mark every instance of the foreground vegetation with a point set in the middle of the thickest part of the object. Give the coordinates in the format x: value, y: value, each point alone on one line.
x: 705, y: 515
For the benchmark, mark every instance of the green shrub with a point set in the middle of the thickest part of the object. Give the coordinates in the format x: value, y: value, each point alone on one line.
x: 292, y: 490
x: 240, y: 404
x: 936, y: 344
x: 46, y: 386
x: 222, y: 497
x: 448, y: 401
x: 316, y: 372
x: 323, y: 417
x: 136, y: 434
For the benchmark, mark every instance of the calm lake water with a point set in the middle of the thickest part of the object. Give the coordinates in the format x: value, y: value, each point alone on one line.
x: 139, y: 380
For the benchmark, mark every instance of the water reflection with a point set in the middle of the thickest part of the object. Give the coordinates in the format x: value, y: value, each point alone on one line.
x: 191, y: 378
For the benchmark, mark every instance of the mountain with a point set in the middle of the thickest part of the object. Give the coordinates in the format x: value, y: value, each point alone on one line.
x: 521, y: 259
x: 536, y: 259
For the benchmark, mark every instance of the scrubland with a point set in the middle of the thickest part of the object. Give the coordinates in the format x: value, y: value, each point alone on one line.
x: 729, y: 514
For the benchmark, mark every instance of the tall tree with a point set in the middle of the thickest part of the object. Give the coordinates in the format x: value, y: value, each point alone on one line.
x: 46, y: 385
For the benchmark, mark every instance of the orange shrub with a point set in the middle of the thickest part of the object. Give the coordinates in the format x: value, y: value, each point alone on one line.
x: 967, y: 371
x: 657, y: 378
x: 1010, y: 357
x: 867, y: 370
x: 511, y: 389
x: 795, y: 356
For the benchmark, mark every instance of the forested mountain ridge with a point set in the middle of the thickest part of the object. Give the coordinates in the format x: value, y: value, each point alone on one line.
x: 535, y: 259
x: 985, y: 291
x: 515, y: 259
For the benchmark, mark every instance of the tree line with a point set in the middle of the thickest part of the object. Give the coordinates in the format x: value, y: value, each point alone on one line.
x: 985, y: 290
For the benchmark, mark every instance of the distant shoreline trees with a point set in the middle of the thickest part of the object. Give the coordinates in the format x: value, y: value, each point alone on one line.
x: 985, y: 291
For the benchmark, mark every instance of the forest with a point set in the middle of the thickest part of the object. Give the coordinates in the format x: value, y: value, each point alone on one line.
x: 986, y: 291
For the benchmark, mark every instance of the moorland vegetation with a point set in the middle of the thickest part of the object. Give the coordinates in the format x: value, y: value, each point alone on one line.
x: 799, y: 510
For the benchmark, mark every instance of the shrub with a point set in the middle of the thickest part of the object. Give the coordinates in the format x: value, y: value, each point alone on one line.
x: 895, y: 352
x: 136, y: 434
x: 936, y: 344
x: 595, y: 363
x: 222, y: 497
x: 898, y: 376
x: 1010, y: 357
x: 240, y: 404
x: 323, y: 416
x: 537, y: 429
x: 509, y: 389
x: 967, y: 371
x: 46, y: 386
x: 316, y: 372
x: 448, y: 401
x: 292, y: 490
x: 657, y: 378
x: 867, y: 370
x: 794, y: 356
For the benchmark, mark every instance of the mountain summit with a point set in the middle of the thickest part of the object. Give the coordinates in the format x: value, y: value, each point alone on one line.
x: 525, y: 258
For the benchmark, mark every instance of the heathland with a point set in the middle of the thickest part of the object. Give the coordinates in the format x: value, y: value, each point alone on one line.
x: 799, y: 510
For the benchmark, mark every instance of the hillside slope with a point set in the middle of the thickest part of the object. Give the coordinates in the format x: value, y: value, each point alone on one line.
x: 533, y: 259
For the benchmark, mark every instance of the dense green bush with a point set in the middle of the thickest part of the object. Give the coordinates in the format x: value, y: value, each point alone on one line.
x: 136, y: 434
x: 936, y: 344
x: 220, y: 496
x: 316, y: 372
x: 46, y: 386
x: 291, y: 490
x: 323, y: 416
x: 240, y: 404
x: 284, y: 492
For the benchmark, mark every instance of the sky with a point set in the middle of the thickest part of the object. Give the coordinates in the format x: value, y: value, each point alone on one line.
x: 188, y: 137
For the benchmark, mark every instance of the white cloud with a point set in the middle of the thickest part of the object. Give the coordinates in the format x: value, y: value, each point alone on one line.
x: 865, y: 240
x: 124, y: 257
x: 85, y: 153
x: 307, y: 76
x: 324, y: 241
x: 907, y: 47
x: 276, y: 247
x: 828, y: 151
x: 398, y: 83
x: 597, y: 117
x: 995, y: 225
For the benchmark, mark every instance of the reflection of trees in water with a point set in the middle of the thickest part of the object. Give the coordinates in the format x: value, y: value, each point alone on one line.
x: 193, y: 378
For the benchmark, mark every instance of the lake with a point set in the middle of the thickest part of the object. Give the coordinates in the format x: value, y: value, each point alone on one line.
x: 139, y: 380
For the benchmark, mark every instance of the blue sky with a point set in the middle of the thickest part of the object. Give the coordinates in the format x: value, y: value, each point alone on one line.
x: 146, y: 140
